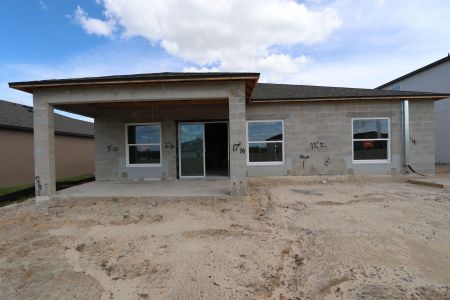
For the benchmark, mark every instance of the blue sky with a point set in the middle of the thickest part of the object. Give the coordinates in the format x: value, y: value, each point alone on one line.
x: 323, y: 42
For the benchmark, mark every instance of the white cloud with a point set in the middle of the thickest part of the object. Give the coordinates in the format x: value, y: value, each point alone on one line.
x: 274, y: 67
x: 93, y: 25
x: 225, y: 34
x: 289, y: 41
x: 380, y: 2
x: 42, y: 5
x: 374, y: 43
x: 360, y: 71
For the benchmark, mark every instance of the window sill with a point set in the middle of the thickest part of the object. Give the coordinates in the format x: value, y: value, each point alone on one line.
x: 265, y: 163
x: 358, y: 162
x: 143, y: 165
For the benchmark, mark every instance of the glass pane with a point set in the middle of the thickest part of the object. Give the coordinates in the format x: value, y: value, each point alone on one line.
x: 265, y: 152
x: 370, y: 129
x: 191, y: 150
x: 144, y: 134
x: 144, y: 154
x: 265, y: 131
x: 370, y: 150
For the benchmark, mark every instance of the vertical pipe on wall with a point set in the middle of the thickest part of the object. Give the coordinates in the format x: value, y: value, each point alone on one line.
x: 406, y: 146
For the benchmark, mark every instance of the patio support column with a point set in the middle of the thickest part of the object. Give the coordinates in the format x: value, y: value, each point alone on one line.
x: 44, y: 150
x: 169, y: 150
x: 238, y: 141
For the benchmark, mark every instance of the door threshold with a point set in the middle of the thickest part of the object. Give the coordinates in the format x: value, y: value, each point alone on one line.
x: 207, y: 178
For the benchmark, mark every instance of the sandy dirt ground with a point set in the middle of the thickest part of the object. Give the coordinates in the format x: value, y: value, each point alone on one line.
x: 318, y: 241
x: 443, y: 171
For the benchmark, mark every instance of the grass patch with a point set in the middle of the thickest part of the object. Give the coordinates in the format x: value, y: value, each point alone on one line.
x: 12, y: 189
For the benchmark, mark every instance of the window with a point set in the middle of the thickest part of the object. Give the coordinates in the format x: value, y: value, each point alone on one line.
x: 143, y: 144
x: 265, y: 142
x: 371, y: 140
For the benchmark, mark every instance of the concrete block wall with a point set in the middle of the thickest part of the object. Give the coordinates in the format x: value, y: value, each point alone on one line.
x: 44, y: 148
x: 111, y: 144
x: 238, y: 140
x: 422, y: 139
x: 330, y: 123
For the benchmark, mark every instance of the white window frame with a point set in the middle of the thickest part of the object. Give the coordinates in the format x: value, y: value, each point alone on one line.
x: 265, y: 163
x: 373, y: 161
x: 127, y: 146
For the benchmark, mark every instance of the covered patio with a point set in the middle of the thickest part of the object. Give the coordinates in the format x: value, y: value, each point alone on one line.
x: 127, y: 110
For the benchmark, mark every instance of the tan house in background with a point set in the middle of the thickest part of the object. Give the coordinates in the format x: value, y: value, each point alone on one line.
x: 74, y: 145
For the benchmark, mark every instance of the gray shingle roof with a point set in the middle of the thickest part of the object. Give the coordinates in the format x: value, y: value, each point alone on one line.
x: 144, y: 76
x: 262, y: 92
x: 272, y: 91
x: 13, y: 115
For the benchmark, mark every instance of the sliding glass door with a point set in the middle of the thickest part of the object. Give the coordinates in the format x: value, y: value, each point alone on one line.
x: 192, y: 145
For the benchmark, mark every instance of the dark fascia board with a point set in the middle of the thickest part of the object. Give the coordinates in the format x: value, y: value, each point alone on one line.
x: 29, y: 86
x: 438, y: 62
x: 28, y: 129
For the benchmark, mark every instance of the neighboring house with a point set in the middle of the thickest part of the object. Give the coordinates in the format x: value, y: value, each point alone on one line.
x: 435, y: 78
x: 172, y: 126
x: 74, y: 144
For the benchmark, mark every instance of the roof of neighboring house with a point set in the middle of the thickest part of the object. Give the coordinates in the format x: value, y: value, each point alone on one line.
x: 427, y: 67
x: 18, y: 116
x: 271, y: 92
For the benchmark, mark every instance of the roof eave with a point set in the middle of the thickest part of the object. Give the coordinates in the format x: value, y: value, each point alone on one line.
x: 31, y: 86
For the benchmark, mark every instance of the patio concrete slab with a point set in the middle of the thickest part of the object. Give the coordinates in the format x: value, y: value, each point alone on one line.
x: 150, y: 189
